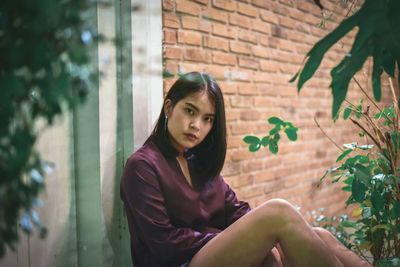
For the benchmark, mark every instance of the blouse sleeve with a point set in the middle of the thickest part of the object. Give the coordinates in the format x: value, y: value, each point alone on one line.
x: 234, y: 208
x: 143, y: 198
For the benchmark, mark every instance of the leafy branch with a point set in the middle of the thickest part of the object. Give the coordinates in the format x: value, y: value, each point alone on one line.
x: 271, y: 140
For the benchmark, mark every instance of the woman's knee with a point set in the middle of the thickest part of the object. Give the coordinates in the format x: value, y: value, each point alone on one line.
x: 278, y: 209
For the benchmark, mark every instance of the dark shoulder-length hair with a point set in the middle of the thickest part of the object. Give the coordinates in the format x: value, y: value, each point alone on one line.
x: 209, y: 155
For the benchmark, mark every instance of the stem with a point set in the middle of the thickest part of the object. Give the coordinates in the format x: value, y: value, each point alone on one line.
x: 330, y: 139
x: 362, y: 128
x: 369, y: 98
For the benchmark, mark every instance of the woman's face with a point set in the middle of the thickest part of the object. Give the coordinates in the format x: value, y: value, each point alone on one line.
x: 190, y: 120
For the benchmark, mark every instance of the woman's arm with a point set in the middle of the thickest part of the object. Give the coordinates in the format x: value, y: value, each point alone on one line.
x: 145, y: 205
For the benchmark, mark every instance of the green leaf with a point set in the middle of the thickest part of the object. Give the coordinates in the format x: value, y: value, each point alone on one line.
x: 378, y: 202
x: 358, y: 111
x: 254, y: 147
x: 315, y: 55
x: 294, y: 77
x: 344, y: 154
x: 275, y: 130
x: 250, y: 139
x: 276, y: 137
x: 349, y: 180
x: 275, y: 120
x: 265, y: 141
x: 381, y: 226
x: 389, y: 63
x: 348, y: 224
x: 376, y: 72
x: 347, y: 112
x: 273, y: 146
x: 291, y: 133
x: 396, y: 209
x: 358, y: 190
x: 347, y: 188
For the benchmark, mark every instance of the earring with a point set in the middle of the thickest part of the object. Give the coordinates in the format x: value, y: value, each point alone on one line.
x: 165, y: 123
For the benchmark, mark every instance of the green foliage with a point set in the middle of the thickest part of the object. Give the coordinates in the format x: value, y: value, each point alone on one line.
x: 45, y: 52
x: 378, y: 36
x: 272, y: 139
x: 370, y: 174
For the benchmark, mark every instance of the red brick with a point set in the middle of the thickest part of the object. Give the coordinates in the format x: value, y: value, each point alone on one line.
x: 262, y: 3
x: 195, y: 54
x: 217, y: 71
x: 287, y: 45
x: 268, y: 41
x: 241, y: 75
x: 312, y: 20
x: 238, y: 181
x: 240, y: 48
x: 171, y: 66
x: 279, y: 9
x: 235, y: 141
x: 252, y: 165
x: 224, y: 30
x: 260, y: 51
x: 185, y: 67
x: 239, y: 20
x: 269, y: 16
x: 309, y: 7
x: 279, y: 32
x: 186, y: 7
x: 247, y: 10
x: 215, y: 14
x: 223, y: 58
x: 249, y: 115
x: 261, y: 77
x: 191, y: 38
x: 193, y: 23
x: 262, y: 27
x: 225, y: 4
x: 264, y: 102
x: 247, y: 89
x: 247, y: 36
x: 249, y: 63
x: 264, y: 176
x: 173, y: 53
x: 171, y: 21
x: 216, y: 43
x: 168, y: 5
x: 231, y: 115
x: 287, y: 22
x: 231, y: 168
x: 169, y: 37
x: 228, y: 87
x: 250, y: 191
x: 241, y: 154
x: 269, y: 65
x: 204, y: 2
x: 240, y: 101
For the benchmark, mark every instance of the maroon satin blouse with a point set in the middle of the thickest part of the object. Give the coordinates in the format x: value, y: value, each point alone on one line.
x: 169, y: 220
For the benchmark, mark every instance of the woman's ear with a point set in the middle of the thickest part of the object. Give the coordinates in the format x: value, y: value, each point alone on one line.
x: 167, y: 107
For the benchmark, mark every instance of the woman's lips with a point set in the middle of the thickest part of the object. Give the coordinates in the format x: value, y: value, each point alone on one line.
x: 191, y: 137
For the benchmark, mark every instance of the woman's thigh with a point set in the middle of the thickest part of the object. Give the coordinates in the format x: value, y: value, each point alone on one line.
x: 241, y: 244
x: 247, y: 241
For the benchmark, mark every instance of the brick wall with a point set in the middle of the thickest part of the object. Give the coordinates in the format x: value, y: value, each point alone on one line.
x: 253, y: 48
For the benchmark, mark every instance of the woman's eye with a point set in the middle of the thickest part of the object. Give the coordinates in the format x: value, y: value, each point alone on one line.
x: 189, y: 111
x: 209, y: 119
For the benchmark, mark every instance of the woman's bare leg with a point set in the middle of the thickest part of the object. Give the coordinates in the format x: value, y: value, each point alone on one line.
x: 346, y: 256
x: 244, y: 243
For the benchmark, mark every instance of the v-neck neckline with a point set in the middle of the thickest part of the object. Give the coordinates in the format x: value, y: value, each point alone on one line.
x: 188, y: 180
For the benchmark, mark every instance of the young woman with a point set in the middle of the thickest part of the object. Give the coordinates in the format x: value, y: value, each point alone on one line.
x: 181, y: 212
